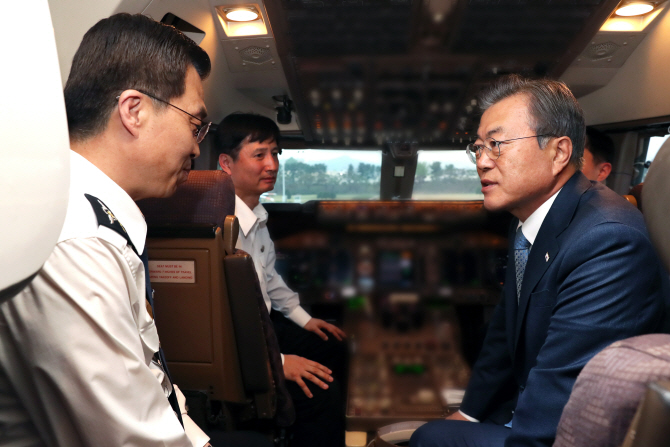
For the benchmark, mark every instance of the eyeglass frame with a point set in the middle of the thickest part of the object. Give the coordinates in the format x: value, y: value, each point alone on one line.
x: 472, y: 154
x: 200, y: 131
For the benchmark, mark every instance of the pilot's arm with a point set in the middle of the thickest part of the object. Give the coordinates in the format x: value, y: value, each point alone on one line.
x: 282, y: 297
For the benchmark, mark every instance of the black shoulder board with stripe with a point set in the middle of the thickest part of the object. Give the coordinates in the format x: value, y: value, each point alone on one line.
x: 107, y: 219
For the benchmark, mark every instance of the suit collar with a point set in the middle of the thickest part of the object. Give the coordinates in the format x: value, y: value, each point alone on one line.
x: 561, y: 214
x: 546, y: 246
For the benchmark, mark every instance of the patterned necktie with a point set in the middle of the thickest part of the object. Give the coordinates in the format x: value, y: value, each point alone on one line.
x: 172, y: 398
x: 521, y: 250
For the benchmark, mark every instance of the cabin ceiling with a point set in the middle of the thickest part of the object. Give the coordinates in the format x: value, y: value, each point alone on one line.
x: 366, y: 72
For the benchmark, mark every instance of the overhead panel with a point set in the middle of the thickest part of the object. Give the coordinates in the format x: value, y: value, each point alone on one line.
x: 542, y: 29
x: 368, y: 72
x: 330, y: 29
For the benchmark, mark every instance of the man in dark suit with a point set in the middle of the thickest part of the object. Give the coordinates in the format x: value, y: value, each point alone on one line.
x: 598, y: 155
x: 581, y: 271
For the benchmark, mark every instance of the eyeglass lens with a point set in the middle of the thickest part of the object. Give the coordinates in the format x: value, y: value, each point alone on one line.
x: 474, y: 151
x: 202, y: 132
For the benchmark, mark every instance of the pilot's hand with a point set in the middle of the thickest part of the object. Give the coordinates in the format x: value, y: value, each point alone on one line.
x: 457, y: 416
x: 318, y: 326
x: 297, y: 368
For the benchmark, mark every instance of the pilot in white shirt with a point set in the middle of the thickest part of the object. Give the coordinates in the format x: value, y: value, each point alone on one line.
x: 78, y: 346
x: 254, y: 238
x: 312, y: 350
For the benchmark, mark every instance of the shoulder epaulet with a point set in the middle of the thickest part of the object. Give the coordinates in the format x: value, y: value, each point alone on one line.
x: 107, y: 219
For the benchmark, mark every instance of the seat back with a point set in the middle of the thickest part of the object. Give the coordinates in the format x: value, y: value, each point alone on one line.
x: 207, y: 197
x: 651, y: 426
x: 186, y: 250
x: 210, y: 313
x: 263, y: 373
x: 609, y: 389
x: 656, y: 204
x: 192, y: 311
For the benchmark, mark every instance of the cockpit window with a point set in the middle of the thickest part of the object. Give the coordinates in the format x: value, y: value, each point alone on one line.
x: 311, y: 174
x: 316, y: 174
x: 446, y: 175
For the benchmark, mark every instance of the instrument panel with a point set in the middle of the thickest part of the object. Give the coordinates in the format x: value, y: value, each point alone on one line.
x: 413, y: 283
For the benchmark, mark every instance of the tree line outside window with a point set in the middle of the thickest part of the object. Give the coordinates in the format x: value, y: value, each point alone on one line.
x: 313, y: 181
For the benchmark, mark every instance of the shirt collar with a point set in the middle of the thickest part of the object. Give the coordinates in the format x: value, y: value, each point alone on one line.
x: 88, y: 178
x: 531, y: 226
x: 248, y: 217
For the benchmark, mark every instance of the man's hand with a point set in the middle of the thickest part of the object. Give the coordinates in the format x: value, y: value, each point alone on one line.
x: 457, y: 416
x: 297, y: 368
x: 318, y: 326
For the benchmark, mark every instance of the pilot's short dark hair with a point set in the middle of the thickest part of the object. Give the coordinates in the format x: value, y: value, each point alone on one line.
x: 124, y: 52
x: 553, y: 109
x: 600, y: 145
x: 240, y: 128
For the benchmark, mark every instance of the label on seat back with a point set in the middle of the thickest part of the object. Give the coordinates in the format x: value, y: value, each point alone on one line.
x: 172, y: 271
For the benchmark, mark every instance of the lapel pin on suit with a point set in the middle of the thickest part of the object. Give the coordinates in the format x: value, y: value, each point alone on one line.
x: 546, y: 257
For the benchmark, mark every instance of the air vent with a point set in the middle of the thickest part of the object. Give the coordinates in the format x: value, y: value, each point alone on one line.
x: 251, y: 54
x: 609, y: 49
x: 602, y: 51
x: 255, y: 55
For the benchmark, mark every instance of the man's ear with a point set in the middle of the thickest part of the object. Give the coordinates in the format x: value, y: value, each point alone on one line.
x: 562, y: 154
x: 132, y: 110
x: 604, y: 170
x: 226, y: 163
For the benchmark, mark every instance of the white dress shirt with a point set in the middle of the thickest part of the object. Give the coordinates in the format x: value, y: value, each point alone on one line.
x: 530, y: 227
x: 254, y: 238
x: 76, y: 345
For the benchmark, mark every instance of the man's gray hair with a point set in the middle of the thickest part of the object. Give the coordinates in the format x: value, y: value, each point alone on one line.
x: 553, y: 109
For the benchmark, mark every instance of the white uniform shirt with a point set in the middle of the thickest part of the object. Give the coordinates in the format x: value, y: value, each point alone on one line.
x: 76, y: 345
x: 254, y: 238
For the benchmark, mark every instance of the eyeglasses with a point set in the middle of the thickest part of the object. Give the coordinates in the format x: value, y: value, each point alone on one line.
x: 474, y: 151
x: 199, y: 132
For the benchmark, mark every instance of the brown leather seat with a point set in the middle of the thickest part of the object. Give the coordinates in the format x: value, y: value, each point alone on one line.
x: 211, y: 318
x: 255, y: 332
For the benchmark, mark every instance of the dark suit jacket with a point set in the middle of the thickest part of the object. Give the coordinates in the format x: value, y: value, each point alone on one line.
x: 592, y: 278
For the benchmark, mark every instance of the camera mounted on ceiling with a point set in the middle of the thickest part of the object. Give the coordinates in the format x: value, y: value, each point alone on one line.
x: 283, y: 109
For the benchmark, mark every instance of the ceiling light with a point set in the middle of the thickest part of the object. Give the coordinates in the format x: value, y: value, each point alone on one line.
x: 241, y: 15
x: 630, y: 9
x: 242, y: 20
